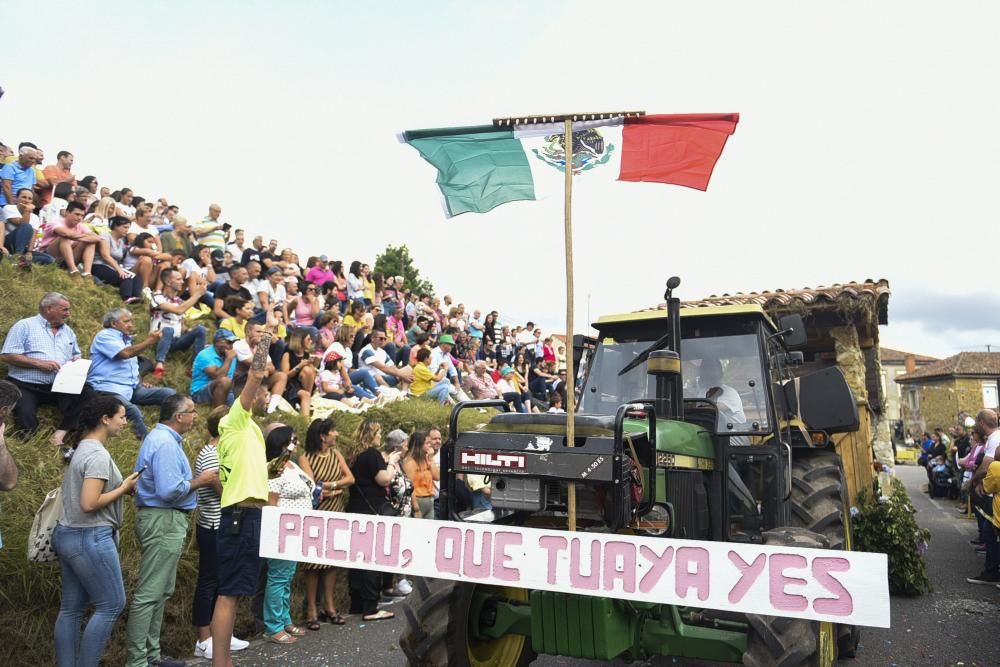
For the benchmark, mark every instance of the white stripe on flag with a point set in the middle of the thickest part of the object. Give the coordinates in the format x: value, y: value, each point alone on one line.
x: 599, y: 160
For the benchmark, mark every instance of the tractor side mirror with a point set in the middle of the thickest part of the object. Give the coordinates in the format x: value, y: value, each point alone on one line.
x: 793, y: 331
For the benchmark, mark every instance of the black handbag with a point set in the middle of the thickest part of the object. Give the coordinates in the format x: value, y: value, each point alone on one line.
x: 386, y: 509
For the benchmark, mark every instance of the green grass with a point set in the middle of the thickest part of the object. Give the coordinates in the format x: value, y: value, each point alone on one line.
x: 29, y: 592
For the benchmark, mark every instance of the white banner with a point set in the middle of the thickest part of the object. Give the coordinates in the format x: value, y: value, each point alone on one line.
x: 838, y: 586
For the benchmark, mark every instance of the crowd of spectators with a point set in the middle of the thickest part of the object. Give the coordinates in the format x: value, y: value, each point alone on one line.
x: 266, y: 332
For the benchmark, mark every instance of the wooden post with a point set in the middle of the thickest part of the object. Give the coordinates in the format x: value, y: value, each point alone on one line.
x: 570, y: 377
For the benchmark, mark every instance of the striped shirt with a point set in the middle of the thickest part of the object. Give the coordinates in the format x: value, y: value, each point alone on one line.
x: 214, y: 239
x: 209, y: 508
x: 33, y: 337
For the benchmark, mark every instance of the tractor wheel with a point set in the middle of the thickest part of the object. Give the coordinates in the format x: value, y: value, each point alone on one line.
x: 819, y: 503
x: 790, y: 642
x: 437, y: 629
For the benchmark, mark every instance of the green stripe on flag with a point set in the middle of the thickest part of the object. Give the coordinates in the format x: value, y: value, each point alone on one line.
x: 479, y: 168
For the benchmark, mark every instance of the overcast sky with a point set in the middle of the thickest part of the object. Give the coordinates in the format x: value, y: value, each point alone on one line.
x: 867, y: 146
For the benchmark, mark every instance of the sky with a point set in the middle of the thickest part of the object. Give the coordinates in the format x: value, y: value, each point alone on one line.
x: 866, y: 146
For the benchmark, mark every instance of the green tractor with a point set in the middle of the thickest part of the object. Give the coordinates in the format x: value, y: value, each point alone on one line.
x: 691, y: 425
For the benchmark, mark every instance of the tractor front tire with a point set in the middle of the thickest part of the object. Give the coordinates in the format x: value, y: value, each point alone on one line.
x: 790, y: 642
x: 819, y: 503
x: 437, y: 629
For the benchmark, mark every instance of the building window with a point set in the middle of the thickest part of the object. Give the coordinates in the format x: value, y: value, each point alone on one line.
x: 990, y: 395
x: 913, y: 400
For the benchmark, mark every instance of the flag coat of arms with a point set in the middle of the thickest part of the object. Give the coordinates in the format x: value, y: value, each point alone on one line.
x: 482, y: 167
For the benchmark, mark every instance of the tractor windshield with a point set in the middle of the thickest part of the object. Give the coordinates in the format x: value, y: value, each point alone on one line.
x: 725, y: 369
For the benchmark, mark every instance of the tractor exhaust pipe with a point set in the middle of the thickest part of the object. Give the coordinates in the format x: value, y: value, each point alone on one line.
x: 666, y: 364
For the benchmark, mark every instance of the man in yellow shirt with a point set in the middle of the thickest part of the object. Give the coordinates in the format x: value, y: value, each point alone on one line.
x: 243, y: 473
x: 426, y: 382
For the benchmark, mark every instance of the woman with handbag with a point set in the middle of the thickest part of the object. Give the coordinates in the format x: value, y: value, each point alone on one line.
x: 333, y: 477
x: 372, y: 475
x: 85, y: 538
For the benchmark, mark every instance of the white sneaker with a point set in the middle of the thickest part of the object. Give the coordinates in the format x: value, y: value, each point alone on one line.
x: 203, y: 649
x: 237, y: 644
x: 403, y: 588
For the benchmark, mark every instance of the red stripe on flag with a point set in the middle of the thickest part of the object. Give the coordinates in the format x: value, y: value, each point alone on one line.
x: 679, y: 148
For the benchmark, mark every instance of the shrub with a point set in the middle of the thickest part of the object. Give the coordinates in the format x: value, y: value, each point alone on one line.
x: 888, y: 526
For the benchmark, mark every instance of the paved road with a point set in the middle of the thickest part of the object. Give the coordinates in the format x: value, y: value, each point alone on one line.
x: 957, y: 624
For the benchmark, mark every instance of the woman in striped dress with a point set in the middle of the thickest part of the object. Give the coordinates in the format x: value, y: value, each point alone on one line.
x: 333, y: 476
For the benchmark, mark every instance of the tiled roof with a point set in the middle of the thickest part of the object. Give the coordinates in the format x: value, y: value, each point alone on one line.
x: 890, y: 355
x: 963, y: 363
x: 875, y: 291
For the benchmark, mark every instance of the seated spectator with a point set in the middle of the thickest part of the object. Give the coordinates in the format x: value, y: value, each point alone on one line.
x: 90, y: 185
x: 271, y: 291
x: 319, y: 273
x: 56, y: 207
x: 481, y: 384
x: 253, y: 252
x: 548, y: 350
x: 337, y: 267
x: 167, y: 309
x: 488, y: 353
x: 510, y: 390
x: 109, y: 262
x: 441, y: 355
x: 361, y: 378
x: 240, y: 311
x: 422, y: 325
x: 355, y: 317
x: 555, y: 403
x: 57, y: 174
x: 213, y: 370
x: 143, y: 224
x: 199, y: 271
x: 541, y: 379
x: 180, y: 237
x: 238, y: 245
x: 235, y: 286
x: 481, y: 491
x: 125, y: 207
x: 21, y: 228
x: 146, y: 260
x: 274, y: 380
x: 71, y: 242
x: 210, y: 231
x: 328, y: 324
x: 335, y: 383
x: 17, y: 175
x: 114, y: 367
x: 397, y: 347
x: 301, y: 367
x: 374, y: 358
x: 34, y: 351
x: 426, y: 382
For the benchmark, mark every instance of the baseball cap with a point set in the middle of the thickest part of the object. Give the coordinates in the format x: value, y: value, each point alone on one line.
x: 506, y: 370
x: 331, y: 356
x: 225, y: 334
x: 324, y: 258
x: 271, y: 271
x: 446, y: 339
x: 218, y: 255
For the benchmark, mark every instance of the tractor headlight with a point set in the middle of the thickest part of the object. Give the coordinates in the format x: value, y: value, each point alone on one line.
x: 656, y: 522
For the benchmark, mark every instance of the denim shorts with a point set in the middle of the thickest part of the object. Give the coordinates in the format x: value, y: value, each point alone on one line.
x: 203, y: 395
x: 237, y: 557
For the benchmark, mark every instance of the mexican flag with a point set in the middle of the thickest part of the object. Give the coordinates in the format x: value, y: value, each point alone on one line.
x: 482, y: 167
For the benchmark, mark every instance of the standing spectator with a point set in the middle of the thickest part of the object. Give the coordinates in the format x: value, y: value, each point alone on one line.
x: 60, y: 172
x: 18, y: 175
x: 110, y: 260
x: 356, y: 284
x: 369, y: 284
x: 252, y: 254
x: 333, y: 478
x: 397, y: 346
x: 84, y: 538
x: 400, y: 487
x: 210, y: 231
x: 114, y: 367
x: 986, y: 427
x: 9, y: 396
x: 340, y: 280
x: 206, y: 530
x: 372, y: 475
x: 213, y: 370
x: 319, y: 274
x: 167, y: 309
x: 34, y: 351
x: 490, y: 326
x: 165, y: 495
x: 476, y: 325
x: 422, y: 472
x: 291, y: 488
x: 243, y: 473
x: 237, y: 246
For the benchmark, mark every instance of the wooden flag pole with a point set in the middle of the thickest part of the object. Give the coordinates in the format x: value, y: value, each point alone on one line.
x: 567, y: 120
x: 570, y: 377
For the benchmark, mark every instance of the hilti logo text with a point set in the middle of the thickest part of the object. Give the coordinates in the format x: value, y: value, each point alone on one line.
x: 491, y: 460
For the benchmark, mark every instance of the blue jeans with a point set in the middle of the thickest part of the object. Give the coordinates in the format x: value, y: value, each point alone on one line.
x: 362, y: 379
x: 278, y: 595
x: 144, y: 396
x: 440, y: 391
x: 91, y: 573
x: 171, y: 342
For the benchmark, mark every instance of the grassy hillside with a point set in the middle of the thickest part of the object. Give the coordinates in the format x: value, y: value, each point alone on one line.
x: 30, y: 593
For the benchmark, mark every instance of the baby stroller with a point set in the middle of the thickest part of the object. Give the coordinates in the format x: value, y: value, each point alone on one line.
x: 942, y: 484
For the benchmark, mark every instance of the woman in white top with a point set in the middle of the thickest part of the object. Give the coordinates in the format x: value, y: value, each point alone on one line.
x: 356, y: 284
x: 111, y: 255
x: 197, y: 269
x: 55, y: 209
x: 361, y: 379
x: 292, y: 488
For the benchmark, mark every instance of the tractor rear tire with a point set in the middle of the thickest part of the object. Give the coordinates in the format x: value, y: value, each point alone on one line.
x: 776, y: 641
x: 437, y: 630
x: 819, y: 503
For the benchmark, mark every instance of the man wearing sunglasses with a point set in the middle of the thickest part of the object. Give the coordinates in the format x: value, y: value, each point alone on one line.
x: 376, y: 359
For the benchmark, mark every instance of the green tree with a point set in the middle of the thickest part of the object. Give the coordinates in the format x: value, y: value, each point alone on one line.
x: 396, y: 261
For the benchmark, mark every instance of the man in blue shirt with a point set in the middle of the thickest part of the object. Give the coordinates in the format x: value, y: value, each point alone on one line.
x: 34, y: 351
x: 213, y: 370
x: 114, y: 367
x: 164, y: 496
x: 18, y: 174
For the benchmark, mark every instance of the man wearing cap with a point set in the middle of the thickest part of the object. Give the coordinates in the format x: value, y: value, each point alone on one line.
x: 442, y: 355
x: 318, y: 274
x: 212, y: 373
x: 271, y: 291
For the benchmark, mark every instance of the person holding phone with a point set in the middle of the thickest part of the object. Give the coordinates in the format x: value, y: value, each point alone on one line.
x: 210, y: 231
x: 86, y: 537
x: 297, y: 363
